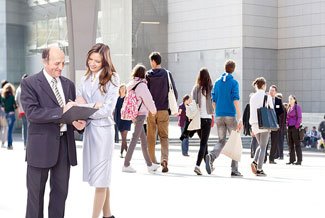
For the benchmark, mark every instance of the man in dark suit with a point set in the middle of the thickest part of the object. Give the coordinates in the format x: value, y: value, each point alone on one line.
x: 275, y: 135
x: 51, y: 146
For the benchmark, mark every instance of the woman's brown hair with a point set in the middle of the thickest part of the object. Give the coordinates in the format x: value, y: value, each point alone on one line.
x: 139, y: 71
x: 204, y: 81
x: 259, y: 82
x: 107, y: 66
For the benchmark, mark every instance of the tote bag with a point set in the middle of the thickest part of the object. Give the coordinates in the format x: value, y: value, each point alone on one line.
x: 233, y: 148
x: 171, y: 97
x: 267, y: 117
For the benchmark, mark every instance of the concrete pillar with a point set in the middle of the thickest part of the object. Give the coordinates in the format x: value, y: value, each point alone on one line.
x: 82, y: 16
x: 116, y: 26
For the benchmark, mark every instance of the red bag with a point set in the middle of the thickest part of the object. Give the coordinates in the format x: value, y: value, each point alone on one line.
x: 21, y: 114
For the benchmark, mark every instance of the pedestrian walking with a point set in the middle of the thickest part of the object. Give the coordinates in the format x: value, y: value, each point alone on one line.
x: 123, y: 126
x: 158, y: 86
x: 201, y: 93
x: 262, y: 135
x: 144, y: 104
x: 182, y: 122
x: 21, y: 113
x: 225, y: 95
x: 9, y: 106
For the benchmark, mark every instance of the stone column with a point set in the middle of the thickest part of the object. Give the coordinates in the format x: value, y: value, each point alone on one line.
x: 82, y: 16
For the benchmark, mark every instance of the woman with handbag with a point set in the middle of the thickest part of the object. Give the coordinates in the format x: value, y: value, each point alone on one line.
x: 262, y: 135
x: 201, y: 94
x: 294, y: 119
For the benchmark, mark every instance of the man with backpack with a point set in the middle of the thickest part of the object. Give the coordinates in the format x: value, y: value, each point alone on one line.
x: 158, y: 86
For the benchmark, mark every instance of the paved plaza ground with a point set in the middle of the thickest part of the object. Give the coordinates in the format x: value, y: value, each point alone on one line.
x: 287, y: 191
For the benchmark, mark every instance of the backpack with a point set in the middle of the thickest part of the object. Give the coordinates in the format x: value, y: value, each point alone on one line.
x: 129, y: 110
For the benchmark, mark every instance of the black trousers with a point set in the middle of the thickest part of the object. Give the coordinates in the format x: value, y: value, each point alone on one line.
x: 275, y: 139
x: 204, y: 134
x: 59, y: 183
x: 294, y: 144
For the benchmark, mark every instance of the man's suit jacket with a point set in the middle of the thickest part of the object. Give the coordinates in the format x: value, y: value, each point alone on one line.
x: 278, y: 107
x: 43, y: 113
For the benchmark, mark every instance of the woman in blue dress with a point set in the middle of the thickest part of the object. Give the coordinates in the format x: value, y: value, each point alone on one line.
x: 123, y: 126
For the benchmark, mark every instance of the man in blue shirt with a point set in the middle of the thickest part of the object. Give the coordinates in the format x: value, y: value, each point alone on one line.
x: 225, y: 95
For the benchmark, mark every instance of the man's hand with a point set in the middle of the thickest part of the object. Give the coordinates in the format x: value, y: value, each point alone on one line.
x: 79, y: 124
x: 68, y: 106
x: 239, y: 125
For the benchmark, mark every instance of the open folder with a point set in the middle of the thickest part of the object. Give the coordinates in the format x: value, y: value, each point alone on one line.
x: 77, y: 113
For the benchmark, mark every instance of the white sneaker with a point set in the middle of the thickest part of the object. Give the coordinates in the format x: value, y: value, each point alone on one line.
x: 153, y: 167
x: 128, y: 169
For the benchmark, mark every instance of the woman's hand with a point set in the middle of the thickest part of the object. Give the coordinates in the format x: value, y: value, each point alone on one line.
x: 79, y: 124
x: 98, y: 105
x: 80, y: 100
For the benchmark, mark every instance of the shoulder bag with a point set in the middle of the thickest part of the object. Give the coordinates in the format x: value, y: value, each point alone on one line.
x: 171, y: 97
x: 267, y: 117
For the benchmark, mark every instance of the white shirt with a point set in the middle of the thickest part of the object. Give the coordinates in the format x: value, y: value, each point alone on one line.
x: 203, y: 110
x: 94, y: 78
x: 255, y: 102
x: 59, y: 86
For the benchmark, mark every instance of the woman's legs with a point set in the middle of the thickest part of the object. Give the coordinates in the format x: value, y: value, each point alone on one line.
x: 124, y: 145
x: 11, y: 121
x: 138, y: 129
x: 185, y: 143
x: 204, y: 134
x: 262, y: 139
x: 101, y: 203
x: 107, y: 206
x: 292, y: 152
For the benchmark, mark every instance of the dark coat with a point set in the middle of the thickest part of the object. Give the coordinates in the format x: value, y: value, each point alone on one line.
x: 43, y: 113
x: 278, y: 107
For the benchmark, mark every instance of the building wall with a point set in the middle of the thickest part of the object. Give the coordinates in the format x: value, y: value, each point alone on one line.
x: 15, y: 39
x: 260, y: 43
x: 301, y: 72
x: 301, y: 23
x: 3, y: 48
x: 258, y: 62
x: 210, y: 25
x: 260, y: 24
x: 203, y: 35
x: 301, y: 55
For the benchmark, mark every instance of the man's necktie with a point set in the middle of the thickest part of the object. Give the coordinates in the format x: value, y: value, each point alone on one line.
x: 56, y: 92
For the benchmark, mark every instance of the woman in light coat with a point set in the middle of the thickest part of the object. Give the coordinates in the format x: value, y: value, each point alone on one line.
x: 261, y: 135
x: 99, y: 88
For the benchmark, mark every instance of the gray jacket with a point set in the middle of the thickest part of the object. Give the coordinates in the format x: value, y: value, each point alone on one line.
x: 196, y: 95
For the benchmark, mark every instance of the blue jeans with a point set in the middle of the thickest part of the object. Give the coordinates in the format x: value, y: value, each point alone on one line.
x: 11, y: 118
x: 185, y: 143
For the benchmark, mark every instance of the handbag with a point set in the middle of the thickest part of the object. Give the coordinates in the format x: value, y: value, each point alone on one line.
x: 233, y: 148
x: 267, y: 117
x: 173, y: 107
